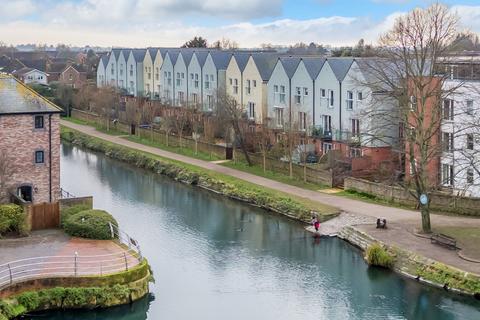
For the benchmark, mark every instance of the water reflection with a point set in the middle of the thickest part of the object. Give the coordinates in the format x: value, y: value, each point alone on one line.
x: 219, y: 259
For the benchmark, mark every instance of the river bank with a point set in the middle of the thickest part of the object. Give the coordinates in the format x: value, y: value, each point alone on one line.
x: 99, y: 145
x: 293, y: 207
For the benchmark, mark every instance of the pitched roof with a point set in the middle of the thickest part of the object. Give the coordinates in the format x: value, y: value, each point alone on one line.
x: 25, y: 70
x: 340, y: 66
x: 104, y: 59
x: 173, y: 54
x: 187, y: 56
x: 290, y: 64
x: 241, y: 59
x: 8, y: 64
x: 265, y: 63
x: 313, y: 66
x: 17, y: 98
x: 201, y: 57
x: 116, y: 52
x: 139, y: 54
x: 153, y: 53
x: 220, y: 59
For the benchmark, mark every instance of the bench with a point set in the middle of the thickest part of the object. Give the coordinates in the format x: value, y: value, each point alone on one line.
x: 444, y: 240
x: 381, y: 223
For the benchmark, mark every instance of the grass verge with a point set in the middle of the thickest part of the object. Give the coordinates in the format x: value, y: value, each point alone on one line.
x: 292, y: 206
x: 258, y: 170
x: 468, y: 238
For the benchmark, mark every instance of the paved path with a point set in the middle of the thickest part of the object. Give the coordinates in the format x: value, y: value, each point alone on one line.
x: 345, y: 204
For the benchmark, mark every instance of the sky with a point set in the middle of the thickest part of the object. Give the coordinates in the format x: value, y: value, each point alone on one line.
x: 141, y: 23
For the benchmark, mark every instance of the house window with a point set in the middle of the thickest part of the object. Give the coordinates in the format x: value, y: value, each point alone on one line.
x: 349, y: 100
x: 39, y: 156
x: 194, y: 98
x: 359, y: 96
x: 131, y: 70
x: 282, y: 94
x: 470, y: 176
x: 355, y: 152
x: 355, y: 127
x: 447, y: 142
x: 38, y: 122
x: 447, y: 175
x: 207, y: 84
x: 469, y: 110
x: 298, y: 97
x: 448, y: 109
x: 413, y: 103
x: 302, y: 120
x: 230, y: 80
x: 178, y: 81
x: 305, y: 91
x: 113, y: 71
x: 327, y: 123
x: 275, y: 89
x: 248, y: 88
x: 279, y: 117
x: 191, y: 76
x: 330, y: 98
x: 210, y: 102
x: 235, y: 87
x: 251, y: 110
x: 254, y: 83
x: 470, y: 141
x: 196, y: 80
x: 181, y: 97
x: 70, y: 76
x: 322, y: 93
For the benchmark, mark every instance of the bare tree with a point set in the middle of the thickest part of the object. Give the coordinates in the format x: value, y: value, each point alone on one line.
x: 105, y: 102
x: 263, y: 141
x: 225, y: 44
x: 405, y: 74
x: 7, y: 169
x: 234, y: 115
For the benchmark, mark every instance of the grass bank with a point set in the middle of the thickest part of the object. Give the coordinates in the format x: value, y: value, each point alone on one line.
x: 294, y: 207
x: 87, y: 292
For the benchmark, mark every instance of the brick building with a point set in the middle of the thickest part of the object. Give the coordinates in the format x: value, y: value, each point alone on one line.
x: 73, y: 76
x: 29, y: 142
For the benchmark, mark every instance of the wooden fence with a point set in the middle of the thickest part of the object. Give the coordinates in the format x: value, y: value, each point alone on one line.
x: 43, y: 215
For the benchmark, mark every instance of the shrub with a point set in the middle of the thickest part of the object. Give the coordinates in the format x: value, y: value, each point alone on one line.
x: 30, y: 300
x: 12, y: 218
x: 376, y: 255
x: 70, y: 211
x: 91, y: 224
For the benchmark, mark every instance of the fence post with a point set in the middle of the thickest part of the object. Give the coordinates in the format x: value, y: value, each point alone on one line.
x: 75, y: 266
x: 10, y: 272
x: 126, y: 263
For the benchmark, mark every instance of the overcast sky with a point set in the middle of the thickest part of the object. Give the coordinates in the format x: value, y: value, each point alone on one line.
x: 140, y: 23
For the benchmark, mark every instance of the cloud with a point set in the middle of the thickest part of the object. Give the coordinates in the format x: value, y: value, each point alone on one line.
x: 469, y: 16
x: 16, y: 8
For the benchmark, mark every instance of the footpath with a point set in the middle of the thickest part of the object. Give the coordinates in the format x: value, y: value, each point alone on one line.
x: 359, y: 212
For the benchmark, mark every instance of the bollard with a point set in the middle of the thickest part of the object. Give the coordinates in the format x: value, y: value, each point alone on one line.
x: 75, y: 266
x: 10, y: 272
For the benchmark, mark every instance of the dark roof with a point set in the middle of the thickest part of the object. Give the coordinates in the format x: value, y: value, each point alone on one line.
x: 56, y: 67
x: 290, y: 65
x: 241, y: 59
x: 16, y: 98
x: 23, y: 71
x: 153, y: 53
x: 8, y: 64
x: 78, y: 68
x: 313, y: 66
x: 201, y: 57
x: 220, y: 59
x: 340, y: 66
x: 104, y: 59
x: 173, y: 54
x: 40, y: 64
x: 265, y: 63
x: 139, y: 54
x: 187, y: 56
x: 125, y: 53
x: 116, y: 52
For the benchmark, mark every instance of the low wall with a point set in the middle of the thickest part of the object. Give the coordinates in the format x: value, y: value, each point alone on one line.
x: 418, y: 267
x: 439, y: 201
x: 70, y: 202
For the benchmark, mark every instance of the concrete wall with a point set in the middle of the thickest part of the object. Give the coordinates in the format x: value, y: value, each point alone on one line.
x: 439, y: 201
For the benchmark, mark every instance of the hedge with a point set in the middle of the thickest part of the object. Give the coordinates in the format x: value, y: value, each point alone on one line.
x: 91, y: 224
x: 70, y: 211
x: 12, y: 219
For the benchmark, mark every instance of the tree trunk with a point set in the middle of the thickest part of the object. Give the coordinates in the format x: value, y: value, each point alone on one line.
x: 264, y: 161
x: 425, y: 210
x: 196, y: 146
x: 166, y: 138
x: 290, y: 167
x: 151, y: 133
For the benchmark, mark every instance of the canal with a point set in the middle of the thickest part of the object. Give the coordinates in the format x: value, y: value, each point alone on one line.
x: 215, y: 258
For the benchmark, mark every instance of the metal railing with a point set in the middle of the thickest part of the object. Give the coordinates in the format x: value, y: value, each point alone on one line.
x: 74, y: 265
x: 64, y: 194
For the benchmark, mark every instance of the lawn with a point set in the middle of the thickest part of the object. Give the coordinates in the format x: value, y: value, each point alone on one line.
x: 258, y: 170
x: 468, y: 238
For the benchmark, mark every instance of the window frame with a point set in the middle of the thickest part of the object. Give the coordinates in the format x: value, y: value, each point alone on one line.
x: 35, y: 157
x: 42, y: 122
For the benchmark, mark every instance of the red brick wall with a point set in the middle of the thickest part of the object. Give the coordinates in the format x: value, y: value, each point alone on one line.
x: 20, y: 139
x: 78, y: 78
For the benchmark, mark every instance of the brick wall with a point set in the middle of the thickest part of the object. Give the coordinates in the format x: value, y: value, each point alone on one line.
x: 439, y: 201
x: 20, y: 140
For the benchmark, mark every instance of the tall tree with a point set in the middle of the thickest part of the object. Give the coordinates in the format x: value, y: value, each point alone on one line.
x: 225, y: 44
x: 405, y: 75
x: 196, y: 42
x: 7, y: 169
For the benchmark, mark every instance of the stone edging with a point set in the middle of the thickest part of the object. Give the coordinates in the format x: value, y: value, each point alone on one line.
x: 407, y: 262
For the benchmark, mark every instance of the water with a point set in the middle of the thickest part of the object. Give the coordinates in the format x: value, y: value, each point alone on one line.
x: 218, y: 259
